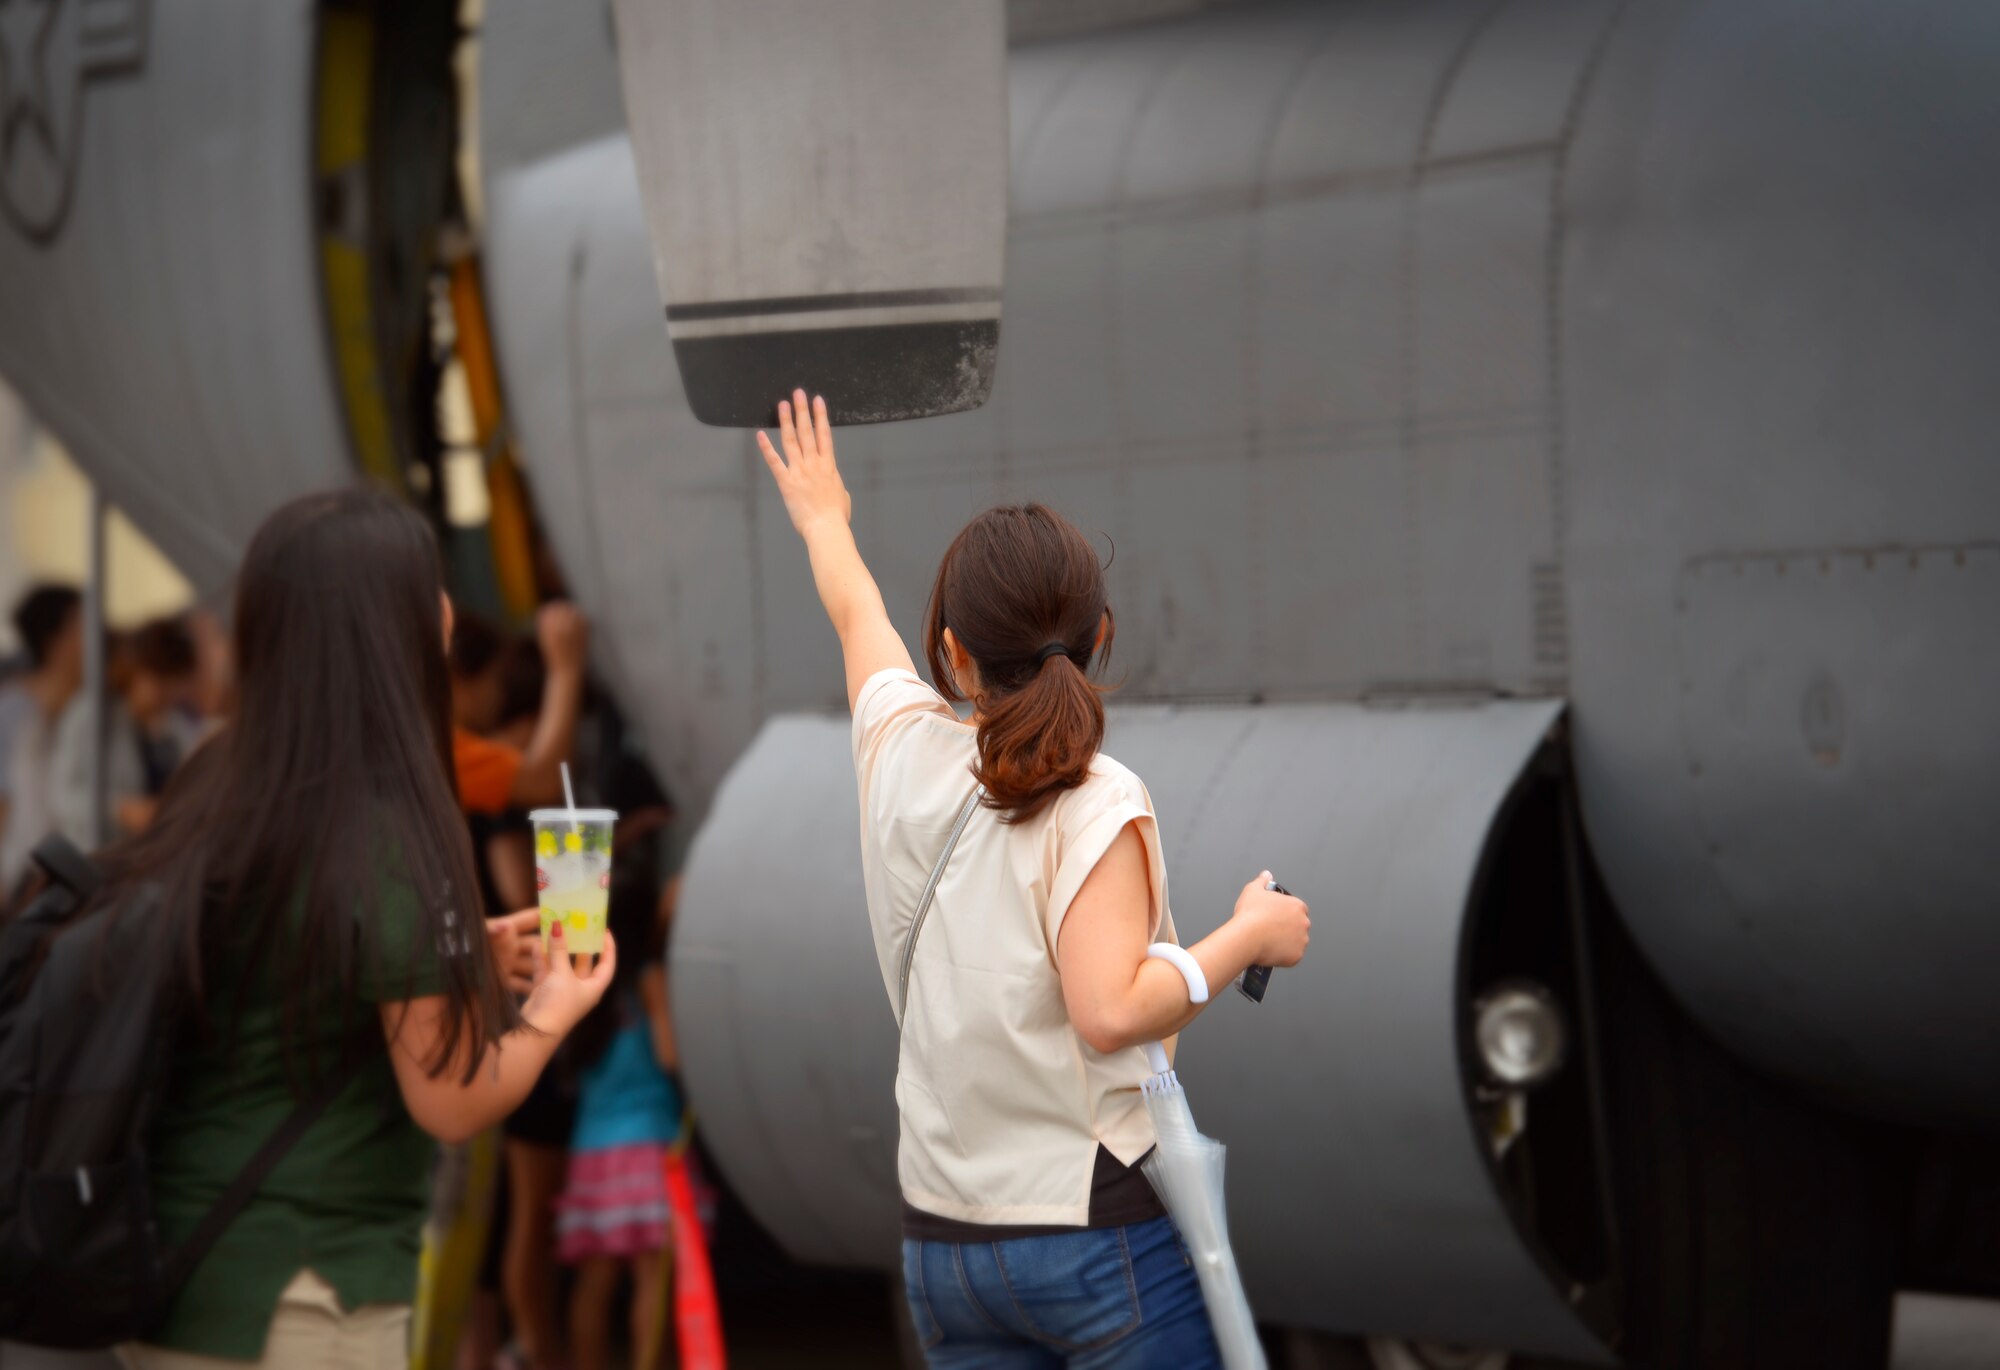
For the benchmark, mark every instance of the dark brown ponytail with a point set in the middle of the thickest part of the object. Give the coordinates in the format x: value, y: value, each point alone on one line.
x: 1021, y: 589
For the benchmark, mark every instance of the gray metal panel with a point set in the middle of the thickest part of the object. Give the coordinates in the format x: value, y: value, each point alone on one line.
x: 1516, y: 84
x: 1478, y: 619
x: 1060, y: 361
x: 169, y: 329
x: 1181, y: 382
x: 1478, y: 446
x: 818, y: 233
x: 785, y: 215
x: 1208, y: 122
x: 1798, y: 748
x: 1032, y: 93
x: 1075, y: 163
x: 1360, y: 110
x: 1330, y: 541
x: 1034, y: 20
x: 1356, y: 1188
x: 1482, y: 281
x: 1780, y: 306
x: 548, y: 80
x: 771, y: 1056
x: 1330, y: 282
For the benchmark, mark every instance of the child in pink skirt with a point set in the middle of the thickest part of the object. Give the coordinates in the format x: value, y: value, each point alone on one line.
x: 612, y: 1218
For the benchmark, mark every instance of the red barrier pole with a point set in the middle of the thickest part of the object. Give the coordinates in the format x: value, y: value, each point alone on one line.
x: 697, y: 1316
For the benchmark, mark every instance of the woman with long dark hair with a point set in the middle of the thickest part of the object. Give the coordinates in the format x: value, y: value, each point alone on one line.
x: 1031, y: 1236
x: 320, y: 912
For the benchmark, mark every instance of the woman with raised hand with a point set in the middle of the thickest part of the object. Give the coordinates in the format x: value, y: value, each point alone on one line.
x: 1031, y: 1235
x: 320, y: 913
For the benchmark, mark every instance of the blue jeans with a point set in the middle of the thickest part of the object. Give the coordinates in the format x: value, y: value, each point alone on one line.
x: 1117, y: 1298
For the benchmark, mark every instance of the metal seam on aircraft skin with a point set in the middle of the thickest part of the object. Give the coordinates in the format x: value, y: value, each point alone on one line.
x: 861, y: 299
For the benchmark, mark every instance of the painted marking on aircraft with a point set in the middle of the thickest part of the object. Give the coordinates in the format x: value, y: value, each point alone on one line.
x: 805, y: 304
x: 50, y: 50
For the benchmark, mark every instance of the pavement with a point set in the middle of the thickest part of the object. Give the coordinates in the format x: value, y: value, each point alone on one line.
x: 1938, y: 1333
x: 1932, y: 1333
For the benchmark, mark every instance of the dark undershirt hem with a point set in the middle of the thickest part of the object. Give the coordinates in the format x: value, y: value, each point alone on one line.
x: 1119, y: 1196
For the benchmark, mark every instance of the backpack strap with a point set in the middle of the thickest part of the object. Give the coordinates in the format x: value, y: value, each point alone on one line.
x: 181, y: 1262
x: 68, y: 867
x: 31, y: 914
x: 924, y: 904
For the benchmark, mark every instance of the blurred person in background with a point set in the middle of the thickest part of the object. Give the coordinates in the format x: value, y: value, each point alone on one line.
x: 612, y: 1219
x: 477, y: 644
x: 165, y: 697
x: 524, y: 676
x: 149, y: 728
x: 531, y: 1138
x: 492, y: 776
x: 208, y: 702
x: 505, y: 844
x: 497, y: 781
x: 316, y: 898
x: 49, y: 622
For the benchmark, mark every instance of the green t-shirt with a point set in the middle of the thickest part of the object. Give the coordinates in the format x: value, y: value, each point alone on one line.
x: 348, y: 1201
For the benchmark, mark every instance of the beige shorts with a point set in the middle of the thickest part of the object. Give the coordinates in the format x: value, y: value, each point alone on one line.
x: 310, y: 1331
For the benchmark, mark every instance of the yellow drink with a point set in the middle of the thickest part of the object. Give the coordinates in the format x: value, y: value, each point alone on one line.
x: 573, y: 873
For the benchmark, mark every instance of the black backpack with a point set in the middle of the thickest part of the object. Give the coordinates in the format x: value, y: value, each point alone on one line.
x: 87, y: 1034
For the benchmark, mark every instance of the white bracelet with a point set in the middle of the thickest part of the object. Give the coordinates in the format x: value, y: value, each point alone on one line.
x: 1182, y: 961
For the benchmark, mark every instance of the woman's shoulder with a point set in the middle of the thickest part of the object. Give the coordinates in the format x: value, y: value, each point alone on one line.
x: 1110, y: 784
x: 891, y: 699
x: 907, y: 741
x: 1109, y: 769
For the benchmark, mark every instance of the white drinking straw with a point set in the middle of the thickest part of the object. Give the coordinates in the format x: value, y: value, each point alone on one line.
x: 570, y: 795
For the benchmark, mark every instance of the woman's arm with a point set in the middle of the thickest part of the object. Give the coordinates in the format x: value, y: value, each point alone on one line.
x: 510, y: 860
x: 440, y: 1098
x: 820, y: 508
x: 565, y: 640
x: 1115, y: 995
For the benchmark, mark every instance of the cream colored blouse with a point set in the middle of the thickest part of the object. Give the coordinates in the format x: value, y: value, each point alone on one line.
x: 1003, y: 1105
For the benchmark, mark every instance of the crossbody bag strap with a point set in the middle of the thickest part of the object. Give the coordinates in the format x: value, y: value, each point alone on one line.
x: 180, y: 1263
x: 930, y: 892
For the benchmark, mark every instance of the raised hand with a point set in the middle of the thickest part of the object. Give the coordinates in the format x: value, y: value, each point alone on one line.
x: 807, y: 476
x: 819, y: 507
x: 564, y: 635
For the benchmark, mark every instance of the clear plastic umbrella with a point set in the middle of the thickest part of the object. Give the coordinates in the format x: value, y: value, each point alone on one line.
x: 1185, y: 1168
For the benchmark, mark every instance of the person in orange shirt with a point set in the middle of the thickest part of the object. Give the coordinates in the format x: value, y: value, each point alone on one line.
x: 496, y: 778
x: 492, y: 776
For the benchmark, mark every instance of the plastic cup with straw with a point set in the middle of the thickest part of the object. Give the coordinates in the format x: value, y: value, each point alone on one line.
x: 573, y: 871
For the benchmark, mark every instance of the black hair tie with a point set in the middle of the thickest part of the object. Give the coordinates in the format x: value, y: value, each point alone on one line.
x: 1053, y: 649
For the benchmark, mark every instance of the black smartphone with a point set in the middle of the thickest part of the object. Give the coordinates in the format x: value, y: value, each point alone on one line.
x: 1256, y: 979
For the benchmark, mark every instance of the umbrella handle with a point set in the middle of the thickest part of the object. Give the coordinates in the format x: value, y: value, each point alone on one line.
x: 1181, y: 960
x: 1197, y: 987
